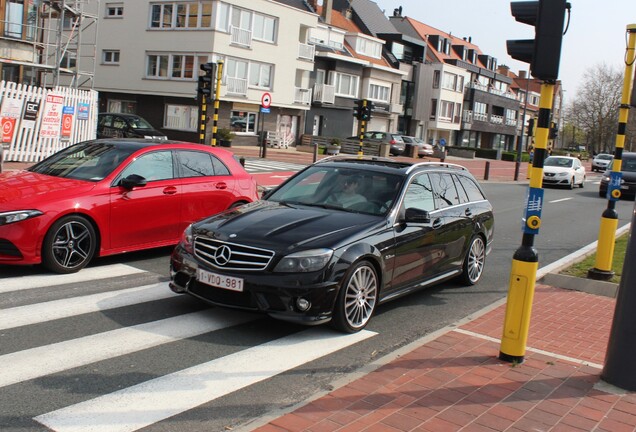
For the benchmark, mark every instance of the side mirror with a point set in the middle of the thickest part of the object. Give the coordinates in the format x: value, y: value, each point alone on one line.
x: 132, y: 181
x: 416, y: 215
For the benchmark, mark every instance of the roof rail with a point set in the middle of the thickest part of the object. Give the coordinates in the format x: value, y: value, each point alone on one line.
x: 437, y: 164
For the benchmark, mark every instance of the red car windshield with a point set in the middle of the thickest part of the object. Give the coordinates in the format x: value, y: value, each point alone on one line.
x: 84, y: 161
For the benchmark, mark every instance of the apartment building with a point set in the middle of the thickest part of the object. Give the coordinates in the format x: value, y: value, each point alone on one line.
x: 19, y: 56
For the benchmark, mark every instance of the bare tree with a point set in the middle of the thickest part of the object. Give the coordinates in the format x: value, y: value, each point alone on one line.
x: 594, y: 110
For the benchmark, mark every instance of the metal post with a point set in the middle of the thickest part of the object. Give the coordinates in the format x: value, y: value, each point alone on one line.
x: 217, y: 100
x: 609, y: 220
x: 203, y: 110
x: 523, y: 126
x: 525, y: 261
x: 363, y: 124
x: 487, y: 170
x: 619, y: 361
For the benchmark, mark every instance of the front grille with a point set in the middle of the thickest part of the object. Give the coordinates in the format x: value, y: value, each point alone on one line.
x: 231, y: 256
x: 222, y: 296
x: 9, y: 249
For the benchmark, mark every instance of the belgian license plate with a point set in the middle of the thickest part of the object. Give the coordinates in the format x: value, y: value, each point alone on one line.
x: 220, y: 281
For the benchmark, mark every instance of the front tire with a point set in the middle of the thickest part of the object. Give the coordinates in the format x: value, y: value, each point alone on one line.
x: 357, y: 298
x: 474, y: 261
x: 582, y: 185
x: 69, y: 245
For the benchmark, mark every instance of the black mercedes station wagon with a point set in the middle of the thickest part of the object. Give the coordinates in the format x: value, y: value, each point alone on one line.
x: 337, y: 239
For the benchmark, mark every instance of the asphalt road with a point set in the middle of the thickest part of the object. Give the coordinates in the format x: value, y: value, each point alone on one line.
x: 56, y: 356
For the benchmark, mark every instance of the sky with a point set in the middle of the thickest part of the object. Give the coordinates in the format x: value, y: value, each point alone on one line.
x: 596, y: 34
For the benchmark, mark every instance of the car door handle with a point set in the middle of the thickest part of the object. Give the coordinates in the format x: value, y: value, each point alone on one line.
x: 437, y: 223
x: 170, y: 190
x: 221, y: 185
x: 468, y: 212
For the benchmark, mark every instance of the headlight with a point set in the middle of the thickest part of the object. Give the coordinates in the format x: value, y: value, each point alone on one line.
x: 563, y: 174
x: 305, y: 261
x: 186, y: 239
x: 17, y: 216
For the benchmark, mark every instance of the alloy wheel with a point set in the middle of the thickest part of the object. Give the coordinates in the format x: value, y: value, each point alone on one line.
x: 475, y: 260
x: 72, y: 244
x: 360, y: 296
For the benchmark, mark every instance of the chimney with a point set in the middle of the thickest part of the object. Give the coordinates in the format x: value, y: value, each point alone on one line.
x: 522, y: 74
x: 348, y: 13
x: 503, y: 70
x: 327, y: 7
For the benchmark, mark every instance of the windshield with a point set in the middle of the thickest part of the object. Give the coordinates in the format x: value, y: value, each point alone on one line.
x: 84, y: 161
x: 627, y: 165
x: 346, y: 189
x: 558, y: 162
x: 139, y: 123
x: 604, y: 156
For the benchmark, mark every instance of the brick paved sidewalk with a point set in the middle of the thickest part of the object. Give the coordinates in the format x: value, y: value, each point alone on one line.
x: 455, y: 382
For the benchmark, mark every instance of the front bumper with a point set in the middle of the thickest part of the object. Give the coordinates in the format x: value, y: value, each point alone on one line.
x: 557, y: 181
x: 20, y: 242
x: 274, y: 294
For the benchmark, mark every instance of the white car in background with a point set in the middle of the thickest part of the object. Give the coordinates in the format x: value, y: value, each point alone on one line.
x: 563, y: 171
x: 601, y: 161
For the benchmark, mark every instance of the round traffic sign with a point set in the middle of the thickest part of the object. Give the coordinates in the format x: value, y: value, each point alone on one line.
x: 266, y: 100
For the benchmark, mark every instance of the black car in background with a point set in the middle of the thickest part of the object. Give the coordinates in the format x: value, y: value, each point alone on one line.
x: 123, y: 125
x: 339, y: 238
x: 628, y: 180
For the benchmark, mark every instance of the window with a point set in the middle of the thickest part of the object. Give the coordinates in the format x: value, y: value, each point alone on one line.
x: 69, y: 60
x: 158, y: 66
x: 480, y: 107
x: 110, y: 56
x: 264, y: 28
x: 181, y: 15
x: 114, y: 10
x: 436, y: 75
x: 346, y: 85
x: 446, y: 110
x: 380, y: 93
x: 242, y: 121
x: 445, y: 192
x: 182, y: 66
x: 122, y: 106
x: 368, y: 47
x: 472, y: 190
x: 14, y: 18
x: 433, y: 109
x: 181, y: 117
x: 260, y: 75
x: 450, y: 81
x: 195, y: 164
x: 152, y: 166
x: 419, y: 194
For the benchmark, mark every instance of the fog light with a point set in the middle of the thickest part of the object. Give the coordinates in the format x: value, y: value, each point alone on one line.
x: 302, y: 304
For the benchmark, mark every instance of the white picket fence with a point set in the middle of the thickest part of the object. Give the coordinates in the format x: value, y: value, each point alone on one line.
x: 26, y: 143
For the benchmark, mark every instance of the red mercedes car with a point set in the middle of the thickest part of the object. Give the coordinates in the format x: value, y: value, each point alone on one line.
x: 109, y: 196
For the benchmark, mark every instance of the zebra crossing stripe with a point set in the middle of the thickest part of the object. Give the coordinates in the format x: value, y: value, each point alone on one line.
x: 57, y: 309
x: 37, y: 362
x: 85, y: 275
x: 141, y: 405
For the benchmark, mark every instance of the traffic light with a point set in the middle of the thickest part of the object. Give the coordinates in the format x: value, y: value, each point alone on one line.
x: 358, y: 108
x: 554, y: 131
x: 531, y: 126
x: 205, y: 79
x: 544, y: 51
x: 369, y: 110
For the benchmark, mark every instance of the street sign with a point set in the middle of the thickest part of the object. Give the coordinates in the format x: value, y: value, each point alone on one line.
x: 265, y: 110
x: 266, y: 100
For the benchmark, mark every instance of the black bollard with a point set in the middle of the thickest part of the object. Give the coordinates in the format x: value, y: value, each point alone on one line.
x: 242, y: 161
x: 621, y: 351
x: 487, y: 170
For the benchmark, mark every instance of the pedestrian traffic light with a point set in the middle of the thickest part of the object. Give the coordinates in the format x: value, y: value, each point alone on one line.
x: 554, y: 131
x: 370, y: 108
x: 205, y: 79
x: 543, y: 53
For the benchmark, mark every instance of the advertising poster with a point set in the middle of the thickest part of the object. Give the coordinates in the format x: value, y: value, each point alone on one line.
x: 11, y: 110
x: 67, y: 121
x: 30, y: 115
x: 52, y: 116
x: 82, y: 111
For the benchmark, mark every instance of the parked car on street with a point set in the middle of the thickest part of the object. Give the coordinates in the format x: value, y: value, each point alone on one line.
x: 394, y: 139
x: 423, y: 149
x: 563, y: 171
x: 628, y: 179
x: 123, y: 125
x: 110, y: 196
x: 601, y: 162
x: 339, y: 238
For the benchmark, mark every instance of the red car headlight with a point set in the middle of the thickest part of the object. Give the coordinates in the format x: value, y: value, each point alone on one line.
x: 17, y: 216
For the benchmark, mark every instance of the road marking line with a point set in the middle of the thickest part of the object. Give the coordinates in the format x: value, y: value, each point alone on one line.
x: 48, y: 359
x: 560, y: 200
x: 141, y: 405
x: 85, y: 275
x: 535, y: 350
x: 64, y: 308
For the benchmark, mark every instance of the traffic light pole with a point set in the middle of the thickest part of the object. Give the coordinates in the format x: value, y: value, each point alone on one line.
x: 609, y: 220
x: 203, y: 109
x: 217, y: 97
x: 363, y: 125
x: 525, y: 261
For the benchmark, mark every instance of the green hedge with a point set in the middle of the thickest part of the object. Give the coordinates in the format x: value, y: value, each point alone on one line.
x: 486, y: 153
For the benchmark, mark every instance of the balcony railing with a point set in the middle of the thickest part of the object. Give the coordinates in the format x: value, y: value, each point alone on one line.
x: 236, y: 86
x: 324, y: 93
x: 480, y: 116
x: 302, y: 96
x: 511, y: 122
x: 491, y: 90
x: 241, y: 36
x: 306, y: 51
x: 496, y: 119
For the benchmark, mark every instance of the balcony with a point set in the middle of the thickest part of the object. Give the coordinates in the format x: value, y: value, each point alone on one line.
x: 306, y: 51
x: 496, y: 119
x: 491, y: 90
x: 302, y: 96
x: 324, y: 93
x: 236, y: 86
x: 240, y: 37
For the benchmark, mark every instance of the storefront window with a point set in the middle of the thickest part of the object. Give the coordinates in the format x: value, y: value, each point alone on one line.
x: 243, y: 121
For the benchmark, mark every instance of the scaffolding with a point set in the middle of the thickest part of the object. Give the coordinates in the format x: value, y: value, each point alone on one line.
x: 69, y: 42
